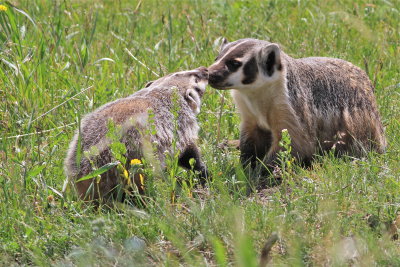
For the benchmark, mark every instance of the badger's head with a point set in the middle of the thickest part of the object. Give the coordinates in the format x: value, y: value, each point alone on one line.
x: 191, y: 85
x: 245, y: 64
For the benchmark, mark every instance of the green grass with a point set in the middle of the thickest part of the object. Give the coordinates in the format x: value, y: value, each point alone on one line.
x: 54, y: 68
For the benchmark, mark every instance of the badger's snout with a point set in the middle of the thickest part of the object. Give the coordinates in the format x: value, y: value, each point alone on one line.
x: 217, y: 78
x: 202, y: 73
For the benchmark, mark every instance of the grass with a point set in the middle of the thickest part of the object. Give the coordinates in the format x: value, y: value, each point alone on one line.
x: 61, y: 59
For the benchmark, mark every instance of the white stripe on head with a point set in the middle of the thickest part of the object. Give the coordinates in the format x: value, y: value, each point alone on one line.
x: 180, y: 72
x: 230, y: 50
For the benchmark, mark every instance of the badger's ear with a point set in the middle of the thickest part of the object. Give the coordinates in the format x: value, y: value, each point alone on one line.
x: 148, y: 84
x: 270, y: 59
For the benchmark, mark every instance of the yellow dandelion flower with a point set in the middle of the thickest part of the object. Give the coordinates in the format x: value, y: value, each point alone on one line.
x: 126, y: 174
x: 135, y: 161
x: 141, y: 178
x: 3, y: 8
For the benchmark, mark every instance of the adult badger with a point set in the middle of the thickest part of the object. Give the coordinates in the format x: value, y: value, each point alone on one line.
x: 182, y: 90
x: 324, y: 103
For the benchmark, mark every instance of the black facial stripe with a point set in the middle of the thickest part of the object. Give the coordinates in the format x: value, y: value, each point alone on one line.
x: 269, y: 65
x: 148, y: 84
x: 199, y: 91
x: 250, y: 71
x: 233, y: 65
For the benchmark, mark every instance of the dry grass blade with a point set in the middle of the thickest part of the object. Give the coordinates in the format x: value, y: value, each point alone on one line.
x: 36, y: 133
x: 140, y: 62
x: 62, y: 103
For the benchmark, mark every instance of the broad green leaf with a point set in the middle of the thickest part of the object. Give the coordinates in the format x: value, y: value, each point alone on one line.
x: 99, y: 171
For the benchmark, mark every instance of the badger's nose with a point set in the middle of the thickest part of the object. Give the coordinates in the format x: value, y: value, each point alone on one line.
x: 203, y: 72
x: 214, y: 76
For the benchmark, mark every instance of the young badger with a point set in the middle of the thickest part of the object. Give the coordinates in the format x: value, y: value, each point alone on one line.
x: 324, y: 103
x: 182, y: 89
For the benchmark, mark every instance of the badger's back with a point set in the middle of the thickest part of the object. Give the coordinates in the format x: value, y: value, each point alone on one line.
x: 335, y: 103
x: 91, y: 142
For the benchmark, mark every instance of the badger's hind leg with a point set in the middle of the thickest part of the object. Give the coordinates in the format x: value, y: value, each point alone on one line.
x: 356, y: 132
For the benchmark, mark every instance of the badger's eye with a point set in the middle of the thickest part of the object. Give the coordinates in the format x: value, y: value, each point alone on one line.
x: 233, y: 64
x: 198, y: 90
